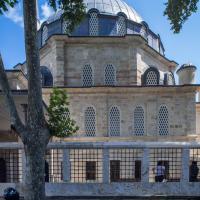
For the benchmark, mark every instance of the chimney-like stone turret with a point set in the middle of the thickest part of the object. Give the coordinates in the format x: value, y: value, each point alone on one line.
x: 186, y: 74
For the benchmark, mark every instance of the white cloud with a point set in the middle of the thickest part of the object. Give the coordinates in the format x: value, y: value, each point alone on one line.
x: 15, y: 14
x: 47, y: 11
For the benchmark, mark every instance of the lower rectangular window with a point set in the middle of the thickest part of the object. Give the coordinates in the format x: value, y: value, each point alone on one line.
x: 90, y: 170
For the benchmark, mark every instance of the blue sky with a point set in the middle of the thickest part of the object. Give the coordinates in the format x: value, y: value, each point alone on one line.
x: 183, y: 47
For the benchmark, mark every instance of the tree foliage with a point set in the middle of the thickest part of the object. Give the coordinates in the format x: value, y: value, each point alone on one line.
x: 5, y: 4
x: 178, y: 12
x: 73, y: 11
x: 59, y: 121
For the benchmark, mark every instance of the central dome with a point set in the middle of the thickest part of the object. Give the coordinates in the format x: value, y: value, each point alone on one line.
x: 109, y: 7
x: 113, y: 7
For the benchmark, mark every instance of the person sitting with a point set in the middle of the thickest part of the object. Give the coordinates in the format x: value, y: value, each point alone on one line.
x: 194, y: 171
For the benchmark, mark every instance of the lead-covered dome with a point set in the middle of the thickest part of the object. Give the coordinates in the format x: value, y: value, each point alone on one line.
x: 109, y: 7
x: 113, y: 7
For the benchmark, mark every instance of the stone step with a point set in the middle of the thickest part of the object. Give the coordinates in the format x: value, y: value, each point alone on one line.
x: 124, y: 198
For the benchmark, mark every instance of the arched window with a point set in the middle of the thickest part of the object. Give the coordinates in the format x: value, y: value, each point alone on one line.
x: 163, y: 120
x: 44, y: 34
x: 139, y: 128
x: 46, y: 77
x: 114, y: 121
x: 87, y: 76
x: 151, y: 77
x: 110, y: 75
x: 93, y: 24
x: 90, y: 122
x: 121, y: 26
x: 169, y: 79
x: 64, y: 27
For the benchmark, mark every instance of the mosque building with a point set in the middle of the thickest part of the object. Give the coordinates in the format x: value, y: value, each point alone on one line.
x: 131, y: 111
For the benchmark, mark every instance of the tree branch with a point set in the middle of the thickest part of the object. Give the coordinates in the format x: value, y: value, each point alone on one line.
x: 14, y: 117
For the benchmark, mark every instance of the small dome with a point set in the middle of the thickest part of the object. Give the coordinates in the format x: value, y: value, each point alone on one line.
x: 109, y: 7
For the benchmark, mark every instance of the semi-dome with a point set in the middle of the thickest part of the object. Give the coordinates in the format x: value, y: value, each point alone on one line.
x: 108, y: 7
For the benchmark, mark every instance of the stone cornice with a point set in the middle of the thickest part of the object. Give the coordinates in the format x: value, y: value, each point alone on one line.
x: 130, y: 89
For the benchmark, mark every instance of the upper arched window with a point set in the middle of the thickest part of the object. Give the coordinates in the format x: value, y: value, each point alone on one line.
x: 121, y: 25
x: 90, y: 122
x: 93, y: 24
x: 44, y: 34
x: 169, y: 79
x: 163, y: 120
x: 46, y: 76
x: 139, y: 127
x: 64, y: 27
x: 114, y: 121
x: 151, y: 77
x: 87, y: 76
x: 110, y: 75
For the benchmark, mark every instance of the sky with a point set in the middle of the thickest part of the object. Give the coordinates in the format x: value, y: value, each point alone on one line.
x: 183, y: 47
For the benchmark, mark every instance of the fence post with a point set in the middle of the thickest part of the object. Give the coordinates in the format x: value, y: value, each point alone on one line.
x: 145, y: 165
x: 66, y: 165
x: 23, y: 165
x: 106, y: 163
x: 185, y: 165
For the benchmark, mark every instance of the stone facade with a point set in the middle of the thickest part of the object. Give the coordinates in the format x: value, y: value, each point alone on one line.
x: 179, y: 100
x: 129, y: 55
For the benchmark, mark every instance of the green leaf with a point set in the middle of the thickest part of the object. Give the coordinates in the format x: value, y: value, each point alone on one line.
x: 59, y: 121
x: 178, y: 12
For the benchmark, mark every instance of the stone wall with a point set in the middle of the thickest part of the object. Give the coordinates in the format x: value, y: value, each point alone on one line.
x: 66, y: 58
x: 198, y: 118
x: 180, y: 103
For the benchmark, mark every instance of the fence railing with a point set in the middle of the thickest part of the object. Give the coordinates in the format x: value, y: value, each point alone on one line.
x: 109, y: 162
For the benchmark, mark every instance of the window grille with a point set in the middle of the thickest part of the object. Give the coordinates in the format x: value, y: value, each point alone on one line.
x: 46, y: 76
x: 163, y: 121
x: 121, y: 26
x: 110, y: 75
x: 171, y: 159
x: 90, y: 122
x: 114, y: 122
x: 64, y: 27
x: 54, y: 160
x: 125, y: 165
x: 139, y: 121
x: 90, y: 170
x: 86, y: 165
x: 143, y: 32
x: 87, y: 76
x: 194, y: 173
x: 93, y: 24
x: 44, y: 34
x: 10, y: 166
x: 170, y: 79
x: 151, y: 78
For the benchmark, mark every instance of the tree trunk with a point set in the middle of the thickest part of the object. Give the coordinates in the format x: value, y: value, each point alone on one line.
x: 34, y: 188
